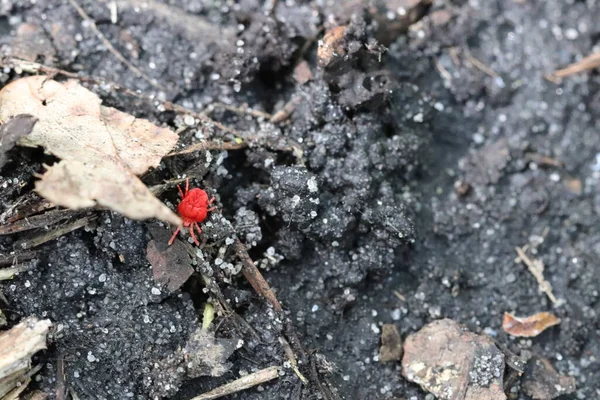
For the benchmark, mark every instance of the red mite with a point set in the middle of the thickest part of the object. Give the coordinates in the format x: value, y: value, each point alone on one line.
x: 193, y: 209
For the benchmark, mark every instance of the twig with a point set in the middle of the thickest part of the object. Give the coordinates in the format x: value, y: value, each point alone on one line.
x: 16, y: 258
x: 61, y: 388
x: 210, y: 145
x: 243, y: 110
x: 38, y: 221
x: 536, y: 267
x: 590, y: 62
x: 33, y: 68
x: 9, y: 273
x: 481, y: 66
x: 243, y: 383
x: 292, y: 358
x: 111, y: 48
x: 286, y: 111
x: 254, y: 276
x: 48, y: 236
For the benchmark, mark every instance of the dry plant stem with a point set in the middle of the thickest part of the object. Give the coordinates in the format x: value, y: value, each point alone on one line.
x: 481, y: 66
x: 246, y: 382
x: 590, y: 62
x: 61, y: 389
x: 17, y: 258
x: 38, y: 221
x: 111, y: 48
x: 210, y: 145
x: 254, y: 276
x: 9, y: 273
x: 243, y: 110
x: 286, y: 111
x: 292, y: 358
x: 48, y: 236
x: 537, y: 271
x: 33, y: 68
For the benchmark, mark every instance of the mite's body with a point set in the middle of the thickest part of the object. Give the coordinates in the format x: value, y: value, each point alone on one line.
x: 193, y: 208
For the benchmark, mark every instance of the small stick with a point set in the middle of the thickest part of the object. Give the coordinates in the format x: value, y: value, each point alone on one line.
x: 245, y: 382
x: 287, y: 349
x: 61, y: 388
x: 111, y: 48
x: 38, y: 221
x: 244, y: 110
x: 590, y: 62
x: 210, y: 145
x: 537, y: 270
x: 286, y: 111
x: 254, y: 276
x: 48, y: 236
x: 481, y: 66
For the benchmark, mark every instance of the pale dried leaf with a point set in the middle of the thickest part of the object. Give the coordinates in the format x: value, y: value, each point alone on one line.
x: 530, y: 326
x: 102, y: 149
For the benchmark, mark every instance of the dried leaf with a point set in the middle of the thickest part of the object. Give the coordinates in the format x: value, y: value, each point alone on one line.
x: 206, y: 355
x: 171, y: 265
x: 530, y: 326
x: 12, y: 130
x: 102, y: 149
x: 453, y: 363
x: 542, y: 382
x: 331, y: 48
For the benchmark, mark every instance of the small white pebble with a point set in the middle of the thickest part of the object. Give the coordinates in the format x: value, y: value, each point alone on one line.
x: 155, y: 291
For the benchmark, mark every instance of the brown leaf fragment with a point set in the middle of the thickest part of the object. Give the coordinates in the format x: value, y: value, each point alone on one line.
x: 529, y: 326
x: 542, y: 382
x: 574, y: 186
x: 171, y: 265
x: 17, y: 346
x: 101, y: 149
x: 12, y: 130
x: 391, y: 344
x: 450, y: 362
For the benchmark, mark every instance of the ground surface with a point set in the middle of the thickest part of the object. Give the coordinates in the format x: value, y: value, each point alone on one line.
x: 366, y: 225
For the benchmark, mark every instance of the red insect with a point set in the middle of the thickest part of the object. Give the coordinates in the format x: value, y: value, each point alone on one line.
x: 193, y: 209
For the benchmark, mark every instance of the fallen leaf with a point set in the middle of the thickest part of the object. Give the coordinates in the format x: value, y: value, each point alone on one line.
x: 391, y: 344
x: 101, y: 149
x: 530, y: 326
x: 171, y: 265
x: 542, y: 382
x: 12, y: 130
x: 452, y: 363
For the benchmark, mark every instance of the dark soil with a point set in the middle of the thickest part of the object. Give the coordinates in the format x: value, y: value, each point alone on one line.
x: 417, y: 171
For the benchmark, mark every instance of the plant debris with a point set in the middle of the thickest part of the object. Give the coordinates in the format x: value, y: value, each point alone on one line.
x: 12, y: 130
x: 452, y: 363
x: 171, y: 265
x: 17, y: 346
x: 536, y: 267
x: 530, y: 326
x: 542, y: 382
x: 101, y: 149
x: 391, y: 344
x: 243, y: 383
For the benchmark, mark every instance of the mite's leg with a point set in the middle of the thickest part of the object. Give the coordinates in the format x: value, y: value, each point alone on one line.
x: 194, y: 236
x: 174, y: 236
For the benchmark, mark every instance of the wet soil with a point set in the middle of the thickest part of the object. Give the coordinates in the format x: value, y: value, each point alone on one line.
x: 411, y: 167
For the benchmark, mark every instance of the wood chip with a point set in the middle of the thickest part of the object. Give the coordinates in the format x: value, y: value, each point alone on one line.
x: 542, y: 382
x: 17, y: 346
x: 530, y: 326
x: 391, y: 344
x: 452, y: 363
